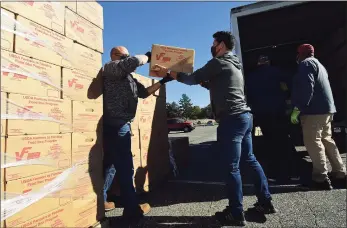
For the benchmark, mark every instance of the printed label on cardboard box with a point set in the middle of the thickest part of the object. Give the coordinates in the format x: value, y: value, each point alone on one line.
x: 3, y: 112
x: 146, y: 119
x: 148, y: 104
x: 46, y: 45
x: 48, y: 14
x: 92, y: 11
x: 33, y: 184
x: 86, y: 60
x: 86, y: 116
x: 24, y: 75
x: 83, y: 31
x: 173, y: 58
x: 82, y: 143
x: 7, y: 38
x: 52, y: 150
x: 76, y: 85
x: 60, y: 217
x: 38, y: 115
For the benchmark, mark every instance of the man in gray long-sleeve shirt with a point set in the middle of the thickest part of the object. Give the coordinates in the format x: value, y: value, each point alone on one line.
x: 313, y: 100
x: 223, y: 77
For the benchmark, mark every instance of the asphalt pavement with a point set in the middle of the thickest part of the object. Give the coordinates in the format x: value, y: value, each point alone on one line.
x: 192, y: 198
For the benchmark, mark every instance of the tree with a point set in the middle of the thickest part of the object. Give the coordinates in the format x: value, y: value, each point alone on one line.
x: 172, y: 110
x: 196, y: 112
x: 186, y: 106
x: 206, y: 113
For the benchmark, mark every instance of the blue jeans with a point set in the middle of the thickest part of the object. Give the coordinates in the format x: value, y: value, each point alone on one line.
x: 235, y: 139
x: 118, y: 158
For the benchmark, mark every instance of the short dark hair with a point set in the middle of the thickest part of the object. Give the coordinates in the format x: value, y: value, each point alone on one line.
x: 226, y: 37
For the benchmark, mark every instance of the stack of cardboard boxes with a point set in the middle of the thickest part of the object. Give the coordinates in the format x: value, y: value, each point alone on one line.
x: 50, y: 52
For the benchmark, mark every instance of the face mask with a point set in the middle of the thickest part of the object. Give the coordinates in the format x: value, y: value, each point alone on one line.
x: 214, y: 50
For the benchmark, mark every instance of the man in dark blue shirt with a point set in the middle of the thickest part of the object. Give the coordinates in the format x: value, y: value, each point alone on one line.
x: 267, y: 91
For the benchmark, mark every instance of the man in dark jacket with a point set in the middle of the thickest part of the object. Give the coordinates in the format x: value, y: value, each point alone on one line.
x: 225, y: 82
x: 313, y: 100
x: 267, y: 92
x: 120, y: 97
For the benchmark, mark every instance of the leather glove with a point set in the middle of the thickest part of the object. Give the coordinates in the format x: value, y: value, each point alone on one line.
x: 148, y: 54
x: 166, y: 79
x: 294, y: 116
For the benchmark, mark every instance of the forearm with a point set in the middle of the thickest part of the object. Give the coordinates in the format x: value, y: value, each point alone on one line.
x: 153, y: 88
x: 186, y: 79
x: 143, y: 59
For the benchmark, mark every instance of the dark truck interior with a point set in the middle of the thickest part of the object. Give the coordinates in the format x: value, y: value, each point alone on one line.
x: 278, y: 33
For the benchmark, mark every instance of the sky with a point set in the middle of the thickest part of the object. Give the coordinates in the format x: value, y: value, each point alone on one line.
x: 138, y: 25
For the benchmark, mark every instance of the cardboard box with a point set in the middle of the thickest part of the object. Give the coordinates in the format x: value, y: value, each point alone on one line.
x: 92, y: 11
x: 48, y: 14
x: 51, y: 47
x: 3, y: 111
x: 145, y: 81
x: 160, y: 92
x: 38, y: 115
x: 82, y: 143
x: 83, y: 213
x: 84, y: 32
x: 7, y: 38
x: 86, y: 116
x: 60, y: 217
x: 148, y: 104
x: 52, y: 149
x: 34, y: 184
x: 76, y: 85
x: 72, y: 5
x: 30, y: 75
x: 174, y: 58
x: 86, y: 60
x: 2, y: 151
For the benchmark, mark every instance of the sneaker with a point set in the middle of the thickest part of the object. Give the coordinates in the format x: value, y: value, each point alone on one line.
x: 325, y: 185
x: 265, y: 208
x: 226, y: 218
x: 109, y: 206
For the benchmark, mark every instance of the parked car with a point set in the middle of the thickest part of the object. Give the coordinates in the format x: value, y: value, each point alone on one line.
x: 179, y: 125
x: 209, y: 123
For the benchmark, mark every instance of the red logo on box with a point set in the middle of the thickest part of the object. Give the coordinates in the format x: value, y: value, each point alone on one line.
x: 74, y: 82
x: 25, y: 150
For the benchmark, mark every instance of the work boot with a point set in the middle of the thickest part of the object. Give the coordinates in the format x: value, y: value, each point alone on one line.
x: 226, y: 218
x: 325, y: 185
x: 109, y: 206
x: 338, y: 181
x: 265, y: 208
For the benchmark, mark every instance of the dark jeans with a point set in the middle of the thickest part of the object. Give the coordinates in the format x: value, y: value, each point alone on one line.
x: 235, y: 139
x: 278, y: 148
x: 118, y: 158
